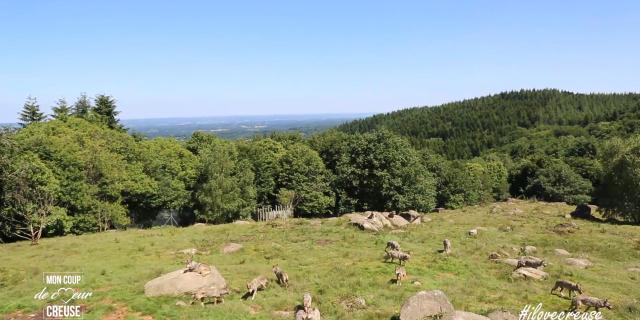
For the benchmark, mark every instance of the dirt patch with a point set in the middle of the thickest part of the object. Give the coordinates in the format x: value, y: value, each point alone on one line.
x: 254, y: 309
x: 123, y: 312
x: 20, y: 315
x: 324, y: 242
x: 354, y: 303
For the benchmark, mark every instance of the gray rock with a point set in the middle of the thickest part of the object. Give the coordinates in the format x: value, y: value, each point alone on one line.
x: 179, y: 282
x: 412, y: 216
x: 380, y: 219
x: 189, y: 251
x: 363, y: 223
x: 579, y: 263
x: 561, y: 252
x: 231, y: 247
x: 530, y: 273
x: 473, y: 232
x: 509, y: 261
x: 397, y: 220
x: 425, y: 304
x: 529, y: 250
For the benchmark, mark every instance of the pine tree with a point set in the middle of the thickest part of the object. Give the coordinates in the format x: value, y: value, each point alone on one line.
x: 82, y: 106
x: 61, y: 111
x: 31, y: 112
x: 105, y: 109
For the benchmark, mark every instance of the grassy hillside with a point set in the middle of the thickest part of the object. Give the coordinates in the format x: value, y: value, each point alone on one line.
x: 334, y: 262
x: 468, y: 128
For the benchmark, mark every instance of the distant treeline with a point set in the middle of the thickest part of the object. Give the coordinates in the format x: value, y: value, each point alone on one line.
x: 79, y: 171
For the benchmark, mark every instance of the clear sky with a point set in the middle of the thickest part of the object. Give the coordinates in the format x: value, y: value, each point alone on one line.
x: 204, y: 58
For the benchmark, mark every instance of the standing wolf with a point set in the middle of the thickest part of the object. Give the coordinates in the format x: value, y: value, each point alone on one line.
x: 395, y: 254
x: 281, y: 276
x: 579, y: 301
x: 306, y: 302
x: 392, y: 245
x: 447, y: 246
x: 259, y: 283
x: 570, y: 286
x: 401, y: 274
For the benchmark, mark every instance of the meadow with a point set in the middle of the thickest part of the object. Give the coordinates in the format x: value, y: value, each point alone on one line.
x: 336, y: 262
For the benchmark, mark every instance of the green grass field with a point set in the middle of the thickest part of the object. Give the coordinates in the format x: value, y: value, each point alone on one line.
x: 335, y: 261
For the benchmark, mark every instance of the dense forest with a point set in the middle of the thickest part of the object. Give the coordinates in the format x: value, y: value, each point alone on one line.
x: 78, y: 170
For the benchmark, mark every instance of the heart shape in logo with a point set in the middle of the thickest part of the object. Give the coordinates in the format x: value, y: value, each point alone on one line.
x: 64, y: 291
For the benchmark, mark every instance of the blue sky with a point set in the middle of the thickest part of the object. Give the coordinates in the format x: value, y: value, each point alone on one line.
x: 204, y: 58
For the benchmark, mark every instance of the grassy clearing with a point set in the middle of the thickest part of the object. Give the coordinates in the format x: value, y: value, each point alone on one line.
x: 335, y: 261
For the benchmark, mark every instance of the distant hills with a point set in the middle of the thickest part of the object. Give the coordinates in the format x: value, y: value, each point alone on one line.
x: 233, y: 127
x: 468, y: 128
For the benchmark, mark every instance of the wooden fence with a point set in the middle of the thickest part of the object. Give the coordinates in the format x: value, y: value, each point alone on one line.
x: 279, y: 212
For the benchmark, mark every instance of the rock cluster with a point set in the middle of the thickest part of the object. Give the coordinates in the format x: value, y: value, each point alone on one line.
x: 377, y: 221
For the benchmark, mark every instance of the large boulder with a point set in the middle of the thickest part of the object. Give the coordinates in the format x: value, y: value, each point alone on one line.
x: 412, y: 216
x: 364, y: 223
x: 464, y: 315
x: 530, y: 273
x: 501, y: 315
x: 379, y: 218
x: 180, y: 282
x: 397, y: 220
x: 579, y: 263
x: 425, y: 304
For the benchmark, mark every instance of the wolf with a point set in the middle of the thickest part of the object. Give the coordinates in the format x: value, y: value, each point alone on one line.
x: 259, y: 283
x: 530, y: 262
x: 597, y: 303
x: 570, y: 286
x: 447, y: 246
x: 396, y: 254
x: 392, y: 245
x: 281, y: 276
x: 306, y: 302
x: 200, y: 268
x: 401, y: 274
x: 210, y: 294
